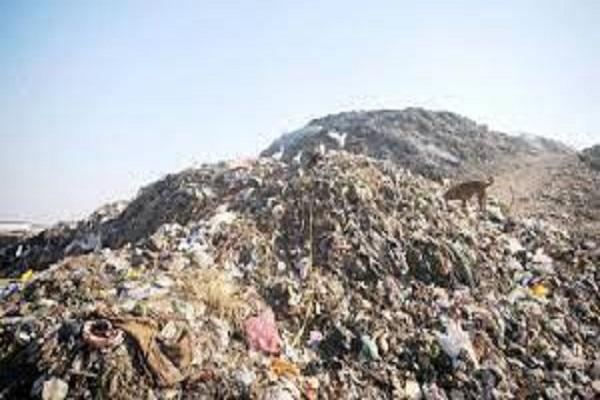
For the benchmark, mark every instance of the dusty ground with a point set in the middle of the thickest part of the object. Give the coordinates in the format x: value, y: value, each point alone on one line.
x: 560, y: 187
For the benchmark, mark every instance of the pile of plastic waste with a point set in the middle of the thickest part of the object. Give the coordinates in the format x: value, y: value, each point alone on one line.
x: 337, y: 277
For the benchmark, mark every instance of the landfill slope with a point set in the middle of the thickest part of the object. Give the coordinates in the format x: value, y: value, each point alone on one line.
x: 436, y: 144
x: 339, y: 277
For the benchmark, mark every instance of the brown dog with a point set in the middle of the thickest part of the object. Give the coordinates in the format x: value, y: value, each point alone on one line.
x: 466, y: 190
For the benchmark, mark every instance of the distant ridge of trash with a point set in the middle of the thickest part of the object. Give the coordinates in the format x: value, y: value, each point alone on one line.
x: 435, y: 144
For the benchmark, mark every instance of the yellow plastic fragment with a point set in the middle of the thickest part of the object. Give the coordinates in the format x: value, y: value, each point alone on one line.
x: 280, y: 367
x: 539, y: 290
x: 26, y: 276
x: 132, y: 274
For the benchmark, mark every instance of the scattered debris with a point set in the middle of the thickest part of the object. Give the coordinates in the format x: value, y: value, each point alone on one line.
x: 168, y: 354
x: 100, y: 334
x: 369, y: 350
x: 455, y: 340
x: 55, y: 389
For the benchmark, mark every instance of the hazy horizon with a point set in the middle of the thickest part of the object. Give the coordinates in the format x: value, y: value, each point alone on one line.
x: 100, y: 98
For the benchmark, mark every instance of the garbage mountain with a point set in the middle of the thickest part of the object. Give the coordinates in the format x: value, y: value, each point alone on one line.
x: 338, y: 277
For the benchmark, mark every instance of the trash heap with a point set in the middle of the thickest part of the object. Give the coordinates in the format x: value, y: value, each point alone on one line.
x: 340, y: 277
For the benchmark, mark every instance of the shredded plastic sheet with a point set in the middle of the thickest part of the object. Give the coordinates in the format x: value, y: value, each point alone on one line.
x: 456, y: 340
x: 262, y: 334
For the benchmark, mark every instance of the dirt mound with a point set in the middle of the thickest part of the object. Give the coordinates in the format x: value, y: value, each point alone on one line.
x: 561, y: 189
x: 341, y: 277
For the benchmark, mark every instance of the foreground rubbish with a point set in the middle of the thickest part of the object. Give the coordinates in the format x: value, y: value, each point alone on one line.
x: 343, y: 278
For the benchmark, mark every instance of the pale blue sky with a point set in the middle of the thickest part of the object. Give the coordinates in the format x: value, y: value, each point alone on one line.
x: 100, y: 97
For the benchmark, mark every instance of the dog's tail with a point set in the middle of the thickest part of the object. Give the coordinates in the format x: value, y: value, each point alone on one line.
x: 512, y: 198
